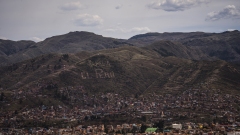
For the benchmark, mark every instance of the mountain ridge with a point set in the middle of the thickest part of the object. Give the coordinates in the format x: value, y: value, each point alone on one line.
x: 210, y: 46
x: 71, y: 42
x: 223, y: 46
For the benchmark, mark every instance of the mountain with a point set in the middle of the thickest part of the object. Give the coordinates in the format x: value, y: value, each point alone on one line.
x: 169, y: 48
x: 224, y: 46
x: 197, y: 45
x: 181, y: 73
x: 98, y: 80
x: 124, y: 70
x: 9, y: 48
x: 71, y: 42
x: 74, y: 42
x: 149, y: 38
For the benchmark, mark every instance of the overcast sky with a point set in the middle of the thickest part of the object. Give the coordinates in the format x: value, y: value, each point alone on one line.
x: 39, y: 19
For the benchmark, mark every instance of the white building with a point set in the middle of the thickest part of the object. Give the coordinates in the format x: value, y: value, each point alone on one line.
x: 177, y: 126
x: 233, y: 133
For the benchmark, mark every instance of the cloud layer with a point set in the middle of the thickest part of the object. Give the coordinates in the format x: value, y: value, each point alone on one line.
x: 134, y: 29
x: 229, y: 12
x: 36, y: 39
x: 4, y: 38
x: 72, y: 6
x: 175, y: 5
x: 118, y: 7
x: 88, y: 20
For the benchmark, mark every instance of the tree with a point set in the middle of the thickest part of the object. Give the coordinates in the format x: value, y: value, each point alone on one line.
x: 159, y: 125
x: 144, y: 118
x: 1, y: 97
x: 55, y: 67
x: 49, y: 71
x: 65, y: 56
x: 106, y: 130
x: 134, y: 129
x: 136, y: 95
x: 143, y: 128
x: 20, y: 101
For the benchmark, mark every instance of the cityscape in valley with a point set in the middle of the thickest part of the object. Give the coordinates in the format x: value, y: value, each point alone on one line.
x: 119, y: 67
x: 196, y: 111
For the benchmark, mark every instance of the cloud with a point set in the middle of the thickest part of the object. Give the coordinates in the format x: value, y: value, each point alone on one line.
x: 36, y: 39
x: 71, y: 6
x: 118, y: 7
x: 229, y: 12
x: 88, y: 20
x: 175, y: 5
x: 231, y: 29
x: 140, y: 29
x: 4, y: 38
x: 134, y: 29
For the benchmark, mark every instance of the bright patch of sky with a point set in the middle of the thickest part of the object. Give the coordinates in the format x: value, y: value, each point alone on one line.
x: 37, y: 20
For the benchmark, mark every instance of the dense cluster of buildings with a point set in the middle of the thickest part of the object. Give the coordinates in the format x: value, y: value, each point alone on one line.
x: 204, y: 107
x: 187, y: 128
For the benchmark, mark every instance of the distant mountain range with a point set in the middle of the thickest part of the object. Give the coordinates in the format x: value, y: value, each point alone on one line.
x: 224, y: 46
x: 193, y: 45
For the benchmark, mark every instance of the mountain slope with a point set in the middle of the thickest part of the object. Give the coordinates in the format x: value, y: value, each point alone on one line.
x: 224, y: 46
x: 129, y: 70
x: 84, y: 79
x: 9, y: 48
x: 72, y: 42
x: 169, y: 48
x: 78, y: 41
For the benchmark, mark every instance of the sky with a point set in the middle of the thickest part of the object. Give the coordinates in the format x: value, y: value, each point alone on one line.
x: 39, y: 19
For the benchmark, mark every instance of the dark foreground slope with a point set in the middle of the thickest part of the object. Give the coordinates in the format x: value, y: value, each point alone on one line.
x: 124, y: 70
